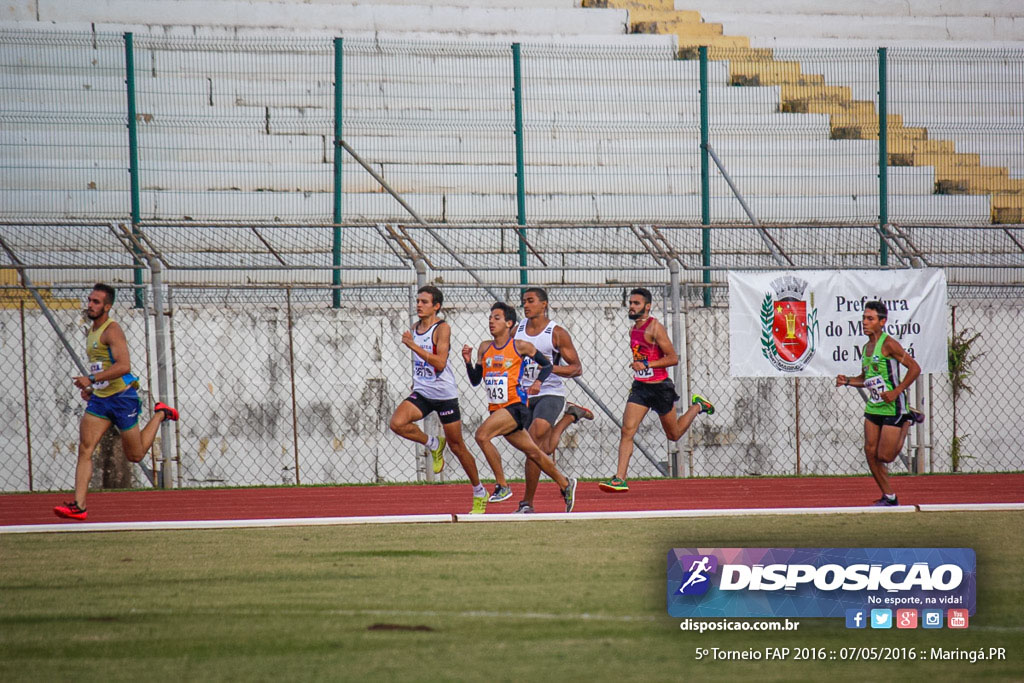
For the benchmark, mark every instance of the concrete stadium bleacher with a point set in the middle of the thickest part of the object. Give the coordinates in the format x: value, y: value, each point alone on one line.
x: 603, y: 147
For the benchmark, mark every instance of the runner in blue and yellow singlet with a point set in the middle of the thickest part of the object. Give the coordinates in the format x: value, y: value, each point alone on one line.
x: 110, y: 389
x: 500, y: 368
x: 887, y: 417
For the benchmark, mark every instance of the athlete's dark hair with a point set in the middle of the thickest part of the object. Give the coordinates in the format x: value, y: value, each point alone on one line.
x: 645, y: 293
x: 539, y: 291
x: 106, y: 289
x: 435, y: 294
x: 507, y: 311
x: 879, y: 308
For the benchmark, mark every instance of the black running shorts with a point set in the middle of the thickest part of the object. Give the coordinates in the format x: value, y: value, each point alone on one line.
x: 447, y: 409
x: 660, y: 397
x: 888, y: 420
x: 521, y: 414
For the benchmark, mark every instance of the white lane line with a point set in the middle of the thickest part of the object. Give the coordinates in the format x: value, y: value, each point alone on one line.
x: 504, y: 517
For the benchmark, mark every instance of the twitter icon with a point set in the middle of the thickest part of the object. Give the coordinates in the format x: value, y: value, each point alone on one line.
x: 881, y: 618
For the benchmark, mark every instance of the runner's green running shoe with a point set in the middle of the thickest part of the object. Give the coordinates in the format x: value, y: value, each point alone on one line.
x: 706, y: 406
x: 569, y: 494
x: 500, y: 493
x: 438, y: 455
x: 479, y: 505
x: 614, y: 485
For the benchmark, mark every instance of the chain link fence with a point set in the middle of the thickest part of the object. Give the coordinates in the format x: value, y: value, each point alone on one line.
x: 277, y: 384
x: 159, y: 127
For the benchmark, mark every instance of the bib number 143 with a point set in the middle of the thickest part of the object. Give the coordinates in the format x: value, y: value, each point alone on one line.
x: 497, y: 389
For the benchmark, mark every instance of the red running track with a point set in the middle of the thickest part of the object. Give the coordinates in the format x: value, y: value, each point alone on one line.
x: 355, y: 501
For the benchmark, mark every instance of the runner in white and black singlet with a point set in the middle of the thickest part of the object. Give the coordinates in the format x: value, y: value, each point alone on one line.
x: 434, y: 389
x: 546, y: 403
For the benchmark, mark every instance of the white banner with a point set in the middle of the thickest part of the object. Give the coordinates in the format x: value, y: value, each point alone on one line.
x: 808, y: 323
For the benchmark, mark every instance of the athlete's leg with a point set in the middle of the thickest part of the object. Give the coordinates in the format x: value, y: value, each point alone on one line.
x: 676, y: 425
x: 521, y: 440
x: 554, y: 435
x: 453, y: 435
x: 872, y: 437
x: 136, y: 443
x: 90, y: 431
x: 904, y: 430
x: 540, y: 430
x: 497, y: 423
x: 631, y: 418
x: 402, y: 422
x: 889, y: 443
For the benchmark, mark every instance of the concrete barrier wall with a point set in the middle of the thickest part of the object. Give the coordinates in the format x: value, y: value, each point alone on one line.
x: 234, y: 381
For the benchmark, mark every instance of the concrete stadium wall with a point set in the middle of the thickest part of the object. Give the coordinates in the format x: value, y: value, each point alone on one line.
x: 350, y: 373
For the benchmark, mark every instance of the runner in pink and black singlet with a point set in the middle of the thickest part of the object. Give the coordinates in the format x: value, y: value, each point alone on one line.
x: 644, y: 352
x: 652, y: 355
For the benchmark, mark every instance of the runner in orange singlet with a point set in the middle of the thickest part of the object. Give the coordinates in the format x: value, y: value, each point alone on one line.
x: 500, y: 368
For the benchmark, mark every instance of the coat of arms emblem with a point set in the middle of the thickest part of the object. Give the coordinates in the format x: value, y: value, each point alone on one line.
x: 789, y: 324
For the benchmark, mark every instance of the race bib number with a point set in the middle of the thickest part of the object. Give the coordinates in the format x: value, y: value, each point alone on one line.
x: 424, y: 371
x: 93, y: 369
x: 875, y: 386
x: 646, y: 373
x: 530, y: 371
x: 497, y: 389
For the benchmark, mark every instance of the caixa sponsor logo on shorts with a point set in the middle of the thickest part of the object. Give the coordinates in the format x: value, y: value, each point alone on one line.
x: 815, y: 582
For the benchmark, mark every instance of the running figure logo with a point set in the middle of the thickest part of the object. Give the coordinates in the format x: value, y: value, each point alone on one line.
x: 696, y: 581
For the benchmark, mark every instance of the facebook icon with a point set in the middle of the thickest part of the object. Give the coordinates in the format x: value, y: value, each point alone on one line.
x: 856, y: 618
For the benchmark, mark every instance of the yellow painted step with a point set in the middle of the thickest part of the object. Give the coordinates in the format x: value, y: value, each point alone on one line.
x: 759, y: 72
x: 689, y: 47
x: 1008, y: 208
x: 663, y: 5
x: 640, y: 14
x: 682, y: 29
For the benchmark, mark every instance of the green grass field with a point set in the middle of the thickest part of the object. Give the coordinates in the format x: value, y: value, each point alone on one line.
x: 580, y: 600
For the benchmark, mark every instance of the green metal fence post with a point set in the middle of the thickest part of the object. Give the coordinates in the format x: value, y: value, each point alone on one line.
x: 883, y: 156
x: 517, y: 90
x: 133, y: 159
x: 339, y: 52
x: 705, y: 179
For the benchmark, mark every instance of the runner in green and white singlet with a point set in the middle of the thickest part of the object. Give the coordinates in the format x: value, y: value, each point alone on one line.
x: 887, y: 417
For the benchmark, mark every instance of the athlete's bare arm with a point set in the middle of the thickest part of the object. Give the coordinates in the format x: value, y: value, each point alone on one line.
x: 113, y: 337
x: 657, y: 334
x: 525, y: 348
x: 571, y: 366
x: 442, y: 345
x: 893, y: 349
x: 858, y: 381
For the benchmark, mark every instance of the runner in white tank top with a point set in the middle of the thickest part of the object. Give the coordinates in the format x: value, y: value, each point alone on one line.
x: 426, y: 381
x: 434, y: 390
x: 554, y: 385
x: 548, y: 421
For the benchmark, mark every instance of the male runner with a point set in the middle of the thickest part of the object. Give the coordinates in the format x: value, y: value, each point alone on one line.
x: 652, y: 353
x: 433, y: 389
x: 109, y: 389
x: 500, y: 367
x: 546, y: 399
x: 887, y: 417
